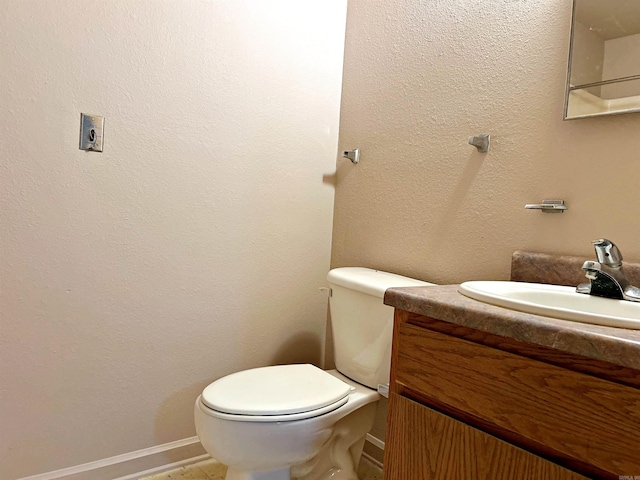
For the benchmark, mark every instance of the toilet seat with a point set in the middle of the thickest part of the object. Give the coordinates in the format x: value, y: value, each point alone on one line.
x: 278, y: 393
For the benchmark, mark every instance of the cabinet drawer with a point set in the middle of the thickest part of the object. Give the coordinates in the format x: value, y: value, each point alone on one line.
x: 577, y: 416
x: 427, y: 445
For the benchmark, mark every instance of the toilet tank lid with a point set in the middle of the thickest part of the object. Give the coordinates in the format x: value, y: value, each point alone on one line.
x: 372, y: 282
x: 276, y: 390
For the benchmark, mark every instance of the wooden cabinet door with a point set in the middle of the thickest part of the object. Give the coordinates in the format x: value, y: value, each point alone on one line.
x: 422, y: 444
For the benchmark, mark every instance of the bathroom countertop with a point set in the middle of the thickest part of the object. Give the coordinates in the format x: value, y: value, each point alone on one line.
x: 615, y: 346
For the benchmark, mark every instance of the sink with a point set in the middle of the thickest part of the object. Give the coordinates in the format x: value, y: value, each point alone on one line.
x: 555, y: 301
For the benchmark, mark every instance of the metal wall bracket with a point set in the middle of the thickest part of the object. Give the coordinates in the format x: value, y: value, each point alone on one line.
x: 353, y: 155
x: 548, y: 206
x: 481, y: 142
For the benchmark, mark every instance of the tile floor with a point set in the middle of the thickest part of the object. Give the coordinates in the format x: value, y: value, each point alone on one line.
x: 212, y: 470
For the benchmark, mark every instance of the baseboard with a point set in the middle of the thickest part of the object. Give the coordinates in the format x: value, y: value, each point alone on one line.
x: 374, y: 450
x: 161, y: 458
x: 133, y: 465
x: 375, y: 441
x: 372, y: 460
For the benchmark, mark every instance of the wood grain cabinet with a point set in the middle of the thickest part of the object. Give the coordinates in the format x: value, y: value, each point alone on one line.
x: 470, y: 405
x: 426, y: 444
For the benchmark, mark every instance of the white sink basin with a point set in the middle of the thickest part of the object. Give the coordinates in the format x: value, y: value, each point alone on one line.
x: 555, y: 301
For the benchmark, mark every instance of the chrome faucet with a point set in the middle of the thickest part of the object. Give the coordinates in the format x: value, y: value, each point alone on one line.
x: 606, y: 276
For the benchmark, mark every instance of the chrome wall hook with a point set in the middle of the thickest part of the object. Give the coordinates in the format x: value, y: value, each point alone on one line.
x: 481, y: 142
x: 353, y: 155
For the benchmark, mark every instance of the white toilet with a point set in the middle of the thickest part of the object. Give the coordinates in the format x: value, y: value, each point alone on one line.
x: 298, y: 421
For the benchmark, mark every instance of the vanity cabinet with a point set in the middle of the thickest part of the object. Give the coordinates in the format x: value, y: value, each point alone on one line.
x: 426, y: 444
x: 467, y: 404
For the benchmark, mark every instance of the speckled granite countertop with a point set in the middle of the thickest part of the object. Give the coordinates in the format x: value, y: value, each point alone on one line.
x: 443, y: 302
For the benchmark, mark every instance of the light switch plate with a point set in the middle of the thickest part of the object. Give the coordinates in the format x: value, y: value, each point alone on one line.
x: 91, y: 132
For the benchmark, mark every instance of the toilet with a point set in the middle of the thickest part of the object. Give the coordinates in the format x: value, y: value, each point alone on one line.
x: 300, y: 422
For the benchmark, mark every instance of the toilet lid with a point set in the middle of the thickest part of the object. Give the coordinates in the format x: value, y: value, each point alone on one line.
x: 278, y: 390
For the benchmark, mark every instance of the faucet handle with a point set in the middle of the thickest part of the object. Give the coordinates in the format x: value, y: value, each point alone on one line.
x: 591, y: 269
x: 607, y: 253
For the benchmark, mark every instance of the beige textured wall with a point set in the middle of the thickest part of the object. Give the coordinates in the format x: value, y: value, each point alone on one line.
x: 419, y: 79
x: 192, y: 247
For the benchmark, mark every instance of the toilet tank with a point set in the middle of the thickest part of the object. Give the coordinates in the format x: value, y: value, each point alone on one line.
x: 361, y: 324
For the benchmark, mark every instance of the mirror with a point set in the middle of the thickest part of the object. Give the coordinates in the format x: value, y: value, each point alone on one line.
x: 604, y: 59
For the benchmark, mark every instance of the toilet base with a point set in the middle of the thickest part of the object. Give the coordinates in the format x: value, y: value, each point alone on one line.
x: 282, y: 474
x: 339, y: 457
x: 337, y: 460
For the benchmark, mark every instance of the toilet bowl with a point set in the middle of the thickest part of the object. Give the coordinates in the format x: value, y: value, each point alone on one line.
x: 280, y: 447
x: 298, y: 421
